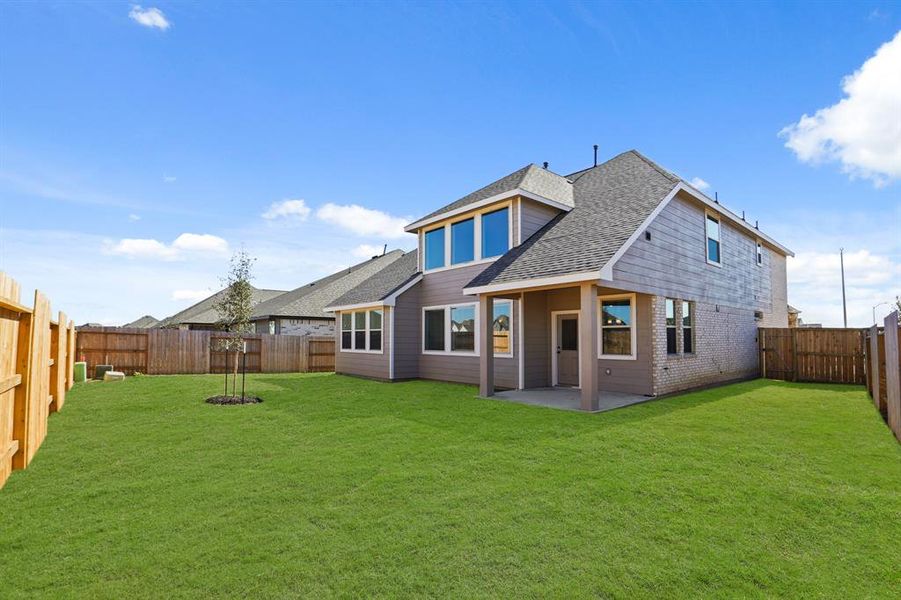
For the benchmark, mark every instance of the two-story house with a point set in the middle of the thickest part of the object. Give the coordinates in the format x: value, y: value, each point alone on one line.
x: 618, y: 278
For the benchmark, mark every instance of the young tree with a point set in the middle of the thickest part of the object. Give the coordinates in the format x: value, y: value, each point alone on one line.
x: 235, y: 305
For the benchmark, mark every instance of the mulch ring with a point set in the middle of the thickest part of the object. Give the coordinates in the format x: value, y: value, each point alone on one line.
x: 234, y: 400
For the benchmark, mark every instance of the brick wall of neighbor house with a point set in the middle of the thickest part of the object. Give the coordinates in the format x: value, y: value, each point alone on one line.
x: 307, y: 327
x: 725, y: 344
x: 777, y: 316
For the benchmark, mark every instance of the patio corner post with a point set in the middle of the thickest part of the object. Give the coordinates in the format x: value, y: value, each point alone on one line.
x: 588, y: 345
x: 486, y: 346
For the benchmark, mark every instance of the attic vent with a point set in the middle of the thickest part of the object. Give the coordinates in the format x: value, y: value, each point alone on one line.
x: 647, y: 235
x: 758, y: 315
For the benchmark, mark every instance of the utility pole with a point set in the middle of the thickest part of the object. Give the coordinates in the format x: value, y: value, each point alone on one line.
x: 841, y: 257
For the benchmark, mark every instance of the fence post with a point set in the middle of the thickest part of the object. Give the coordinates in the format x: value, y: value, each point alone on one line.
x: 70, y: 355
x: 762, y: 343
x: 893, y: 373
x: 794, y: 346
x: 31, y: 404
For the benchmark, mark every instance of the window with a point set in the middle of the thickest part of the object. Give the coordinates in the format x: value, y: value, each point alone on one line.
x: 759, y: 254
x: 463, y: 241
x: 503, y: 317
x: 688, y: 345
x: 671, y: 326
x: 434, y: 248
x: 713, y: 240
x: 433, y: 330
x: 361, y: 331
x: 495, y: 233
x: 375, y: 330
x: 617, y: 327
x: 463, y: 328
x: 346, y: 331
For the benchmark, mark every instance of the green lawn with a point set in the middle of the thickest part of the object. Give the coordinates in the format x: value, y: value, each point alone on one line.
x: 341, y: 487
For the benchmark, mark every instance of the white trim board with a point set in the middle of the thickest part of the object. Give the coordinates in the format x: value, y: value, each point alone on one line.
x: 485, y: 202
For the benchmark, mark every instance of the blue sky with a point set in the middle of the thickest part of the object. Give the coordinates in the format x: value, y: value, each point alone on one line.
x: 124, y: 127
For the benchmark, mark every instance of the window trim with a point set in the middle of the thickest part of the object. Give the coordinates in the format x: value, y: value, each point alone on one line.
x: 447, y: 330
x: 476, y: 216
x: 633, y: 327
x: 719, y: 239
x: 674, y: 326
x: 691, y: 327
x: 512, y: 304
x: 353, y: 332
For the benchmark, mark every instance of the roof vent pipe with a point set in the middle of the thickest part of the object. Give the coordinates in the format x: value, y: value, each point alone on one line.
x: 595, y: 155
x: 716, y: 197
x: 545, y: 164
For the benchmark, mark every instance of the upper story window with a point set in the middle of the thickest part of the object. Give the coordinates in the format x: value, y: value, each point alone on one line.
x: 713, y: 240
x: 434, y: 248
x: 462, y: 241
x: 483, y: 236
x: 617, y: 337
x: 495, y: 233
x: 759, y: 253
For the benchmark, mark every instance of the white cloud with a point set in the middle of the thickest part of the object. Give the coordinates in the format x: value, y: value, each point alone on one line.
x: 149, y: 17
x: 367, y: 251
x: 192, y: 295
x: 169, y: 178
x: 133, y: 217
x: 200, y: 242
x: 863, y: 130
x: 186, y: 243
x: 699, y: 183
x: 363, y: 221
x: 296, y: 210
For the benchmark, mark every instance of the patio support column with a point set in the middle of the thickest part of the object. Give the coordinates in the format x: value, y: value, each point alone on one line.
x: 486, y: 345
x: 588, y: 345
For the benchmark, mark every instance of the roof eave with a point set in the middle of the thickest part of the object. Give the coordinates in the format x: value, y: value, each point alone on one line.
x: 412, y: 227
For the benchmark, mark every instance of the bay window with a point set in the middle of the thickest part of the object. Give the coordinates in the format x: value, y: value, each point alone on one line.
x: 617, y: 339
x: 361, y: 331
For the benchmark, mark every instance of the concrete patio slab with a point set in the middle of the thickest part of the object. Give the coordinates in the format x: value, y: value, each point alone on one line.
x: 568, y: 398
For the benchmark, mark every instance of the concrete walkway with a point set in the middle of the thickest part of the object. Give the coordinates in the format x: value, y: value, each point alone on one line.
x: 568, y: 398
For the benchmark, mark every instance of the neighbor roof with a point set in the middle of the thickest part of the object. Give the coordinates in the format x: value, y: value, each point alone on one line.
x: 311, y: 300
x: 382, y: 284
x: 611, y: 201
x: 144, y: 322
x: 204, y: 312
x: 532, y: 180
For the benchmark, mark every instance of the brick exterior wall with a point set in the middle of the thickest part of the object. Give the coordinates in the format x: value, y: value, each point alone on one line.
x: 725, y: 347
x: 307, y: 327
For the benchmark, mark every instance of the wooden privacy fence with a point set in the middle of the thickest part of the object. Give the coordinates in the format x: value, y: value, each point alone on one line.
x: 177, y: 351
x: 883, y: 347
x: 36, y: 370
x: 812, y: 354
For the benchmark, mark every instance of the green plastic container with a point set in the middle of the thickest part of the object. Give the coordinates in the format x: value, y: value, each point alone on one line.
x: 80, y: 372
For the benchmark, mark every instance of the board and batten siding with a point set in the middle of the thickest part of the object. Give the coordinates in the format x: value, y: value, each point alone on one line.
x: 446, y: 287
x: 534, y: 216
x: 373, y: 365
x: 673, y: 263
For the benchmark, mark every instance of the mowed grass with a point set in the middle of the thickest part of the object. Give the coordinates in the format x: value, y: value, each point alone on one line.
x: 341, y: 487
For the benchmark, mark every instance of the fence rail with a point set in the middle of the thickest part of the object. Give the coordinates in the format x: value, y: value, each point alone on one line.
x: 36, y: 371
x: 812, y: 355
x: 176, y: 351
x: 884, y: 370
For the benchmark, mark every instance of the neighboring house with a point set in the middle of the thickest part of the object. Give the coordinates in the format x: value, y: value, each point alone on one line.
x: 621, y: 277
x: 794, y: 316
x: 203, y: 315
x: 302, y: 311
x: 145, y: 322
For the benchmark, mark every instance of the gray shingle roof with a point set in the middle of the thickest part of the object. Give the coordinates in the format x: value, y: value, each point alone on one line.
x: 611, y: 201
x: 530, y: 178
x: 204, y: 312
x: 383, y: 283
x: 310, y: 300
x: 144, y: 322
